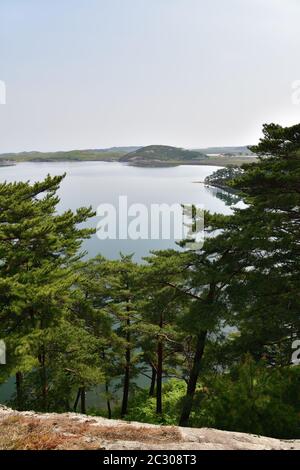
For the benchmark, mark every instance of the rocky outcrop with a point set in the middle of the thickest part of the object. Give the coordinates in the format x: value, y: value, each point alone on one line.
x: 33, y: 431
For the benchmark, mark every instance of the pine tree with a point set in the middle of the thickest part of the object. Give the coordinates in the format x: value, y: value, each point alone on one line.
x: 162, y: 309
x: 109, y: 303
x: 38, y: 247
x: 266, y: 233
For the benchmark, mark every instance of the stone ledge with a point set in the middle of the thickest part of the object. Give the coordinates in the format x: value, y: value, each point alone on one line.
x: 35, y: 431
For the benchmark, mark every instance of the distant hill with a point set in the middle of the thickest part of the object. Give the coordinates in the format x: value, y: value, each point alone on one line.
x: 72, y: 155
x: 243, y: 150
x: 163, y: 154
x: 152, y: 156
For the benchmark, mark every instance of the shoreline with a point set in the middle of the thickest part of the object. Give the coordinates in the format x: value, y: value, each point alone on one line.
x: 220, y: 162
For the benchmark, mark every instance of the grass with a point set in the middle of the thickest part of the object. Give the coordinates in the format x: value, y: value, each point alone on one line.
x: 63, y: 432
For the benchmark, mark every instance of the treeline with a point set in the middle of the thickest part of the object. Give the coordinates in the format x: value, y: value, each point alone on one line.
x: 222, y: 178
x: 64, y: 156
x: 212, y: 329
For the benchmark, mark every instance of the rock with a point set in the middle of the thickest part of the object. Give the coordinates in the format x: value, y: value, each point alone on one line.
x: 35, y: 431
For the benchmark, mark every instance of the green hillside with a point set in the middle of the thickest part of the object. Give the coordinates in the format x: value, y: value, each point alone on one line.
x: 162, y: 153
x: 72, y: 155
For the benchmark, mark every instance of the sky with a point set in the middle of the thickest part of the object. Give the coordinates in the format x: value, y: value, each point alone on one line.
x: 189, y: 73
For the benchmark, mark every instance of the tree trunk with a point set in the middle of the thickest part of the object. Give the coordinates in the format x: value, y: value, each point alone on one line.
x: 159, y: 377
x: 159, y: 371
x: 127, y: 370
x: 19, y: 380
x: 77, y: 400
x: 153, y: 381
x: 109, y: 414
x: 82, y: 401
x: 194, y: 374
x: 43, y: 375
x: 192, y: 382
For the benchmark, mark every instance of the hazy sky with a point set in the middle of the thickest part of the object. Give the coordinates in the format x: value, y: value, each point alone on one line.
x: 191, y: 73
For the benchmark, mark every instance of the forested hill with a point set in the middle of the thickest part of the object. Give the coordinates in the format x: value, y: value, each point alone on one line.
x: 162, y: 153
x: 109, y: 154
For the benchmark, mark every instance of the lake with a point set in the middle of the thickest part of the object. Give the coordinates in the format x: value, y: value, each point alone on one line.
x: 95, y: 183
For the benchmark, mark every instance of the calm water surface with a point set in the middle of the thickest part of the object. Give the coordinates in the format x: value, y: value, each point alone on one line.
x: 94, y: 183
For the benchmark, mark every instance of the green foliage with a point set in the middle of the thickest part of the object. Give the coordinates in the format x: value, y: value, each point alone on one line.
x: 143, y: 407
x: 222, y: 177
x: 251, y: 398
x: 38, y: 248
x: 162, y: 153
x: 71, y: 360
